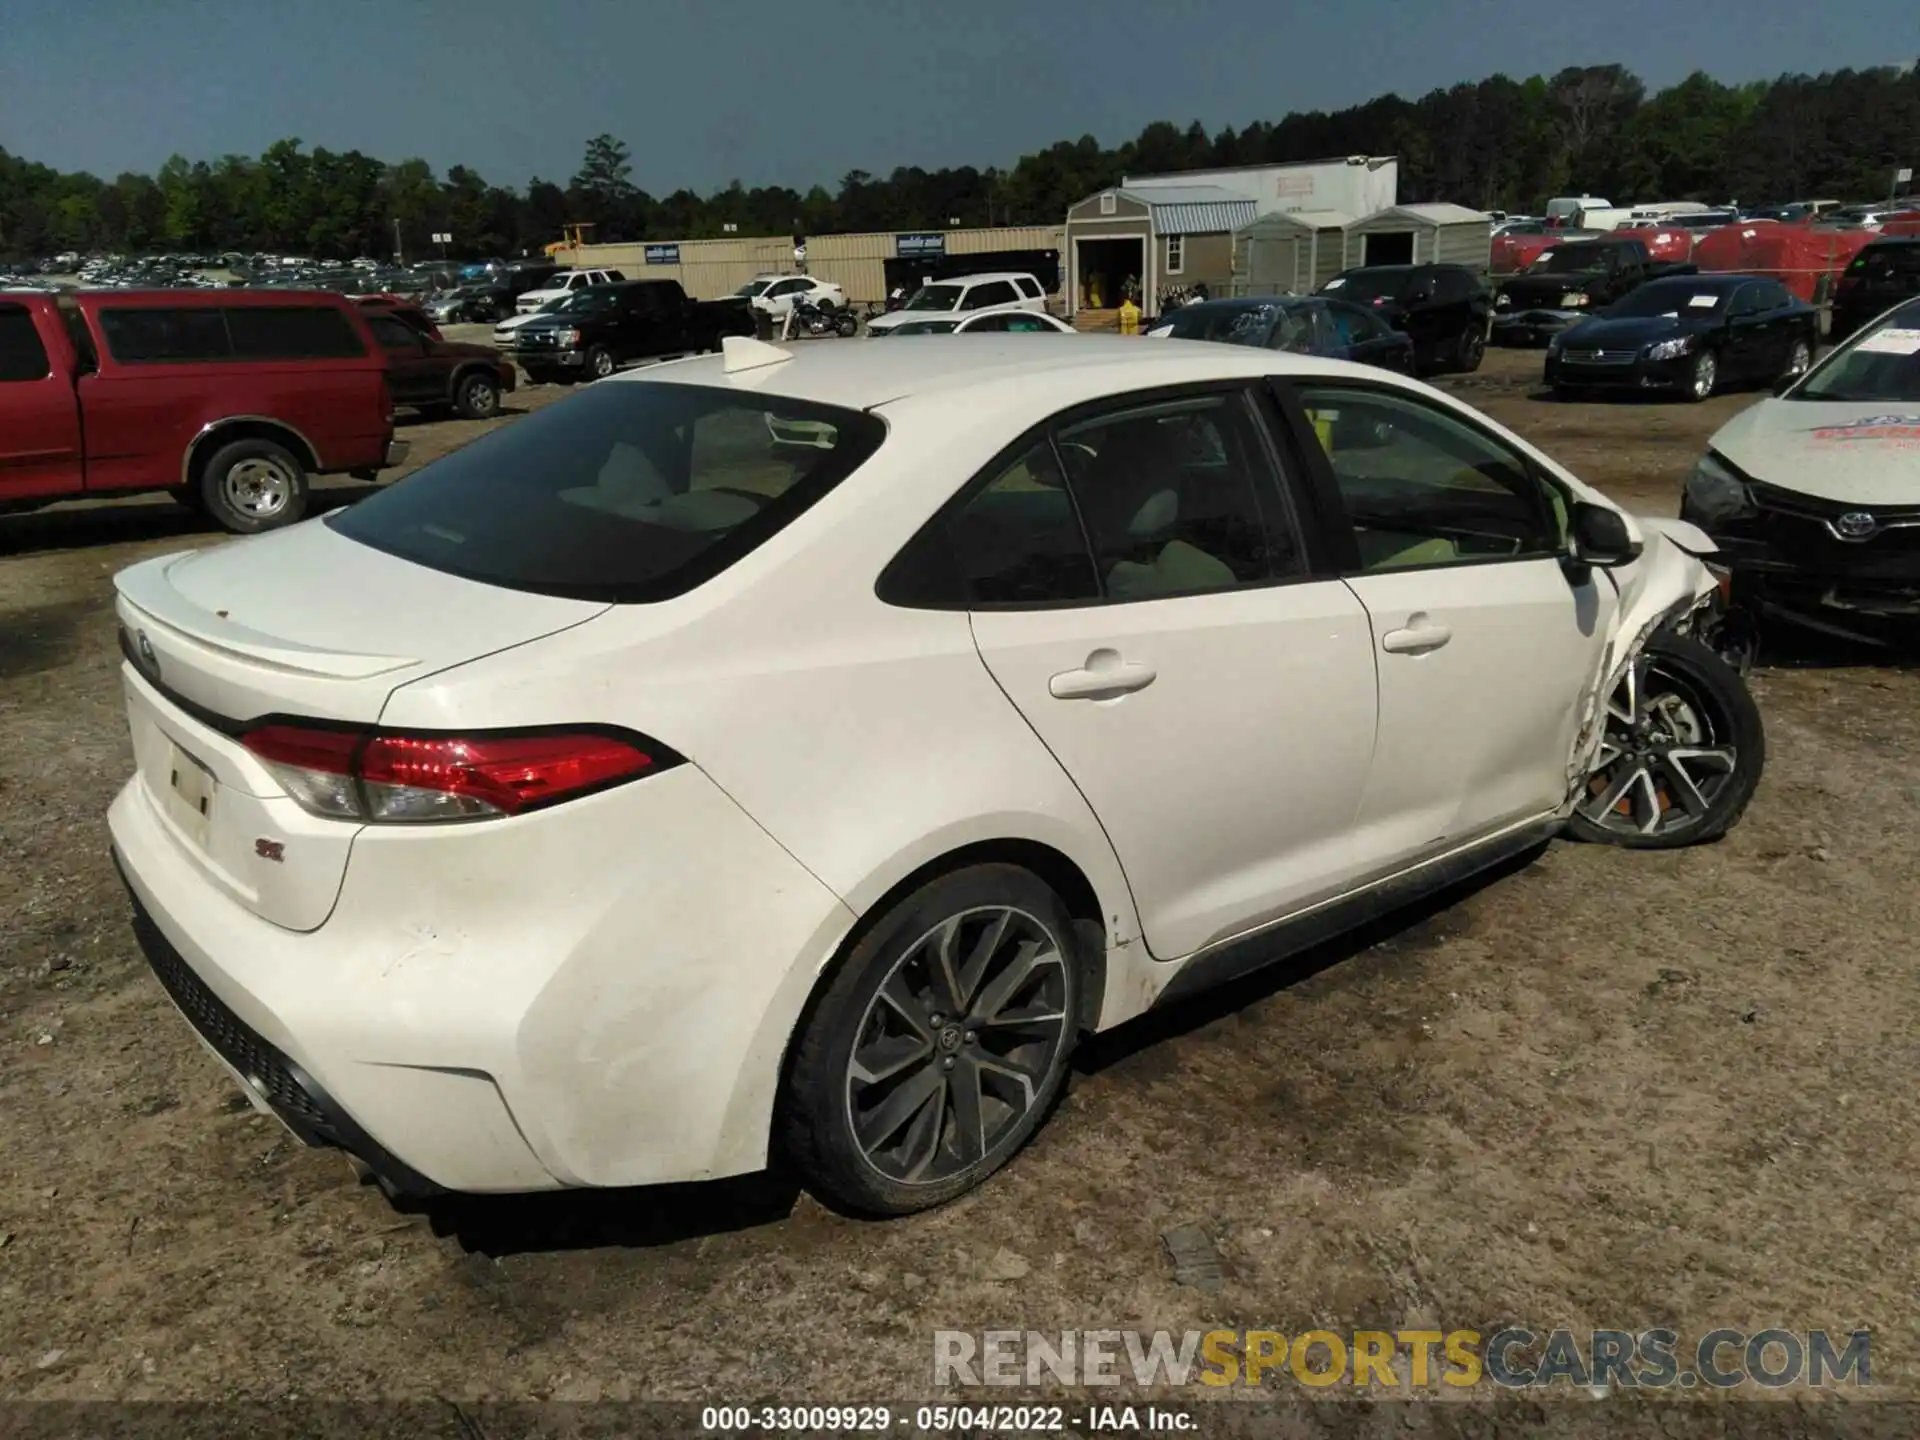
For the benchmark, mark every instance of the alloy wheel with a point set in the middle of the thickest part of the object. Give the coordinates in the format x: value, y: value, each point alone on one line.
x: 957, y: 1044
x: 1665, y: 757
x: 1706, y: 374
x: 1800, y: 359
x: 602, y: 364
x: 258, y: 487
x: 481, y: 397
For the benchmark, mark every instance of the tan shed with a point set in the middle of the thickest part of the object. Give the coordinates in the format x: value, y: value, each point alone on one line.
x: 1293, y: 252
x: 1422, y: 235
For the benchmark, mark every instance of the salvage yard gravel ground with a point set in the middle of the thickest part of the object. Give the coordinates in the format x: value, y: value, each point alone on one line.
x: 1606, y: 1090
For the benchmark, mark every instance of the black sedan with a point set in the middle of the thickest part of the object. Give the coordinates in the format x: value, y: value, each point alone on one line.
x: 1302, y: 325
x: 1688, y: 335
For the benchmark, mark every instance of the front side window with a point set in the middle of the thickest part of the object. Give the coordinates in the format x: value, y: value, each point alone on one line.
x: 994, y: 292
x: 22, y: 356
x: 1423, y: 488
x: 392, y: 334
x: 1029, y: 287
x: 935, y: 297
x: 624, y: 493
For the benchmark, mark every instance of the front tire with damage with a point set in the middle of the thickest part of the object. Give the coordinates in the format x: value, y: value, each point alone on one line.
x: 1681, y: 754
x: 939, y: 1046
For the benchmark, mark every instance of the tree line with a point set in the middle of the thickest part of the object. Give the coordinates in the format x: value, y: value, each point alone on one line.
x: 1497, y: 143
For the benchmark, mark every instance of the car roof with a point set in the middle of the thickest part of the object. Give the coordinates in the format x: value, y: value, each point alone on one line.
x: 1070, y: 369
x: 983, y: 275
x: 1698, y: 282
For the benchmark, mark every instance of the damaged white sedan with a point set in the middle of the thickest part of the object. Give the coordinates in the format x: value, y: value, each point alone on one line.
x: 794, y: 755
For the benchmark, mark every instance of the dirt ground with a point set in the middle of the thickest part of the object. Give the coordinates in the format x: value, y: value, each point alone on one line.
x: 1608, y: 1089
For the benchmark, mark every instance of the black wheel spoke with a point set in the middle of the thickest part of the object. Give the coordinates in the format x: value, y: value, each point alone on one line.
x: 969, y: 1129
x: 1012, y: 979
x: 903, y: 1104
x: 907, y: 1005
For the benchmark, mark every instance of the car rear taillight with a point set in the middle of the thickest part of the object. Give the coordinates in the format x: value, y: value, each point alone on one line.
x: 398, y: 779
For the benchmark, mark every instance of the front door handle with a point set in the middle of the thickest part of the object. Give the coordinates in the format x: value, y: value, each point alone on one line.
x: 1104, y: 677
x: 1419, y: 636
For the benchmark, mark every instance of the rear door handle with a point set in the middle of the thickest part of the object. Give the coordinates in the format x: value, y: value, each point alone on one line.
x: 1105, y: 676
x: 1419, y: 636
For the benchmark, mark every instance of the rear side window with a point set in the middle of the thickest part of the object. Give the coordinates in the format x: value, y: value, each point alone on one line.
x: 293, y: 332
x: 1029, y: 288
x: 265, y: 332
x: 159, y: 337
x: 22, y: 356
x: 625, y: 493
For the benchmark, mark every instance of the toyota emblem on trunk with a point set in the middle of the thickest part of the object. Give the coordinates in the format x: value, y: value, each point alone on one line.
x: 149, y: 661
x: 1854, y: 525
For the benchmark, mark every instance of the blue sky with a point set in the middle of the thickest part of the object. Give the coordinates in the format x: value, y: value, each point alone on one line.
x: 707, y: 90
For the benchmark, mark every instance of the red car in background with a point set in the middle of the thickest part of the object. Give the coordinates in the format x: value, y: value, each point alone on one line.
x: 230, y: 400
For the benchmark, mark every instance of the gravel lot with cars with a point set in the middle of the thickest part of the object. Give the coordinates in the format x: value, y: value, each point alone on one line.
x: 1609, y: 1089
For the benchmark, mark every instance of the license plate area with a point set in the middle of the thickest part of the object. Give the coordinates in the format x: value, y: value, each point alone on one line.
x: 189, y: 794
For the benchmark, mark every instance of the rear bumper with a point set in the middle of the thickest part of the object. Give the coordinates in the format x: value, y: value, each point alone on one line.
x: 274, y: 1082
x: 397, y: 452
x: 598, y: 994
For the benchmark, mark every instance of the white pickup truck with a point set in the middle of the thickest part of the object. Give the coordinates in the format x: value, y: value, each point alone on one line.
x: 558, y: 288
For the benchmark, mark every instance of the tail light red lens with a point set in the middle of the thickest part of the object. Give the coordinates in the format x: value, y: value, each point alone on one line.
x: 402, y: 779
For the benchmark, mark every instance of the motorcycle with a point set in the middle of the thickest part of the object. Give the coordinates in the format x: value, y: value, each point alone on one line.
x: 815, y: 319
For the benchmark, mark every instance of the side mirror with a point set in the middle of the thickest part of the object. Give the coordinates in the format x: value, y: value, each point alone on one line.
x: 1599, y: 536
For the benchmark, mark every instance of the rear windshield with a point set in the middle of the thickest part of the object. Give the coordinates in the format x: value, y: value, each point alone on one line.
x: 626, y: 492
x: 1570, y: 260
x: 1884, y: 262
x: 1366, y: 286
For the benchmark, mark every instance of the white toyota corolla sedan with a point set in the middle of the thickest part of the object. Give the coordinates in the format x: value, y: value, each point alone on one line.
x: 776, y: 755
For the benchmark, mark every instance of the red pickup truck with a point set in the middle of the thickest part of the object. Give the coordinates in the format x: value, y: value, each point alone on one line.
x: 228, y: 399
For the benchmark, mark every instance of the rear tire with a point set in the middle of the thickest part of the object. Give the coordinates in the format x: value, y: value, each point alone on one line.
x: 1682, y: 754
x: 250, y: 486
x: 939, y: 1046
x: 1472, y: 350
x: 477, y: 396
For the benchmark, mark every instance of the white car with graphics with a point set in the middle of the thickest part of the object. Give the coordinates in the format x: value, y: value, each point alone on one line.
x: 1813, y: 495
x: 799, y: 752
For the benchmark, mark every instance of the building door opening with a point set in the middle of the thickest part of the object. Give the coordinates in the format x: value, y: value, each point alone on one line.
x: 1105, y: 268
x: 1390, y: 247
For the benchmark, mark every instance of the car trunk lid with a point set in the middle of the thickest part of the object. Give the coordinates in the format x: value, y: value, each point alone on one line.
x: 303, y: 623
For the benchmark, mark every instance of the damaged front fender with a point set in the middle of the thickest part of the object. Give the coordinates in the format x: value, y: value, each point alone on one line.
x: 1669, y: 586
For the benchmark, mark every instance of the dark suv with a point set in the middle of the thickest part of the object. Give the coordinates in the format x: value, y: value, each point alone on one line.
x: 1444, y: 309
x: 1884, y: 273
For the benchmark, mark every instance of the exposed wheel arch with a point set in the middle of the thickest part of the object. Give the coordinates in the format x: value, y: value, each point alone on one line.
x: 1057, y: 870
x: 246, y: 427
